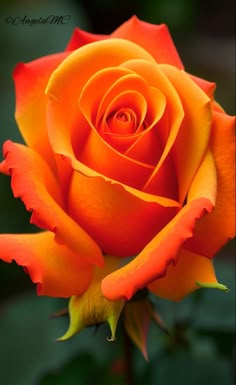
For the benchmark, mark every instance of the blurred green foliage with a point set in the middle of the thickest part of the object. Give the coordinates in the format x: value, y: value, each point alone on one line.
x: 201, y: 347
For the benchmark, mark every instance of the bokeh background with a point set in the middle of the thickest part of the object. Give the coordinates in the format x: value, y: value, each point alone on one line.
x: 201, y: 348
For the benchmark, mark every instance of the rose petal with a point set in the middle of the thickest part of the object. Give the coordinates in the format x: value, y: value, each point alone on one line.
x: 30, y: 83
x: 197, y: 117
x: 120, y: 222
x: 91, y: 149
x: 167, y: 128
x: 95, y: 89
x: 128, y: 100
x: 106, y: 86
x: 216, y: 229
x: 143, y: 147
x: 130, y: 91
x: 80, y: 65
x: 216, y: 107
x: 34, y: 183
x: 67, y: 82
x: 207, y: 87
x: 180, y: 279
x: 147, y: 147
x: 107, y: 161
x: 55, y: 268
x: 133, y: 83
x: 80, y: 38
x: 143, y: 196
x: 155, y: 39
x: 94, y: 152
x: 153, y: 260
x: 165, y: 181
x: 205, y: 181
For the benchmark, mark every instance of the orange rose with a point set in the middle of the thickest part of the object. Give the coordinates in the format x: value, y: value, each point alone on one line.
x: 126, y: 155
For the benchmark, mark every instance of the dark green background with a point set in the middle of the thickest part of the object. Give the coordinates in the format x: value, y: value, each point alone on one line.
x: 201, y: 347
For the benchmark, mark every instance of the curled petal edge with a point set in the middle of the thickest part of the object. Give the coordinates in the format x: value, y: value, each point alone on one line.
x: 154, y: 259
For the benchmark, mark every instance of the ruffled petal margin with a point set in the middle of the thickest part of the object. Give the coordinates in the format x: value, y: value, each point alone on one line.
x: 152, y: 262
x: 33, y: 182
x: 57, y: 270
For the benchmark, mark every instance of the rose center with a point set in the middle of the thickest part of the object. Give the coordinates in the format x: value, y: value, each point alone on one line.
x: 123, y: 116
x: 122, y: 122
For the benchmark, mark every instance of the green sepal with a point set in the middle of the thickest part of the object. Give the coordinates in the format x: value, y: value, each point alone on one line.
x: 212, y: 285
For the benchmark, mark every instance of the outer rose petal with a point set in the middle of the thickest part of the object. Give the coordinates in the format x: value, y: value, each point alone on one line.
x: 180, y: 279
x: 34, y: 183
x: 155, y: 39
x: 216, y: 229
x: 207, y: 87
x: 216, y: 107
x: 80, y: 38
x: 163, y: 249
x: 30, y: 83
x: 58, y: 271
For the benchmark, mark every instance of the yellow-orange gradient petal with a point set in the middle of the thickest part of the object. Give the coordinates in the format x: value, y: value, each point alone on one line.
x: 180, y: 279
x: 30, y: 83
x: 57, y: 270
x: 34, y: 183
x: 67, y: 82
x: 80, y: 65
x: 120, y: 222
x: 155, y: 39
x: 216, y: 229
x: 193, y: 137
x: 153, y: 260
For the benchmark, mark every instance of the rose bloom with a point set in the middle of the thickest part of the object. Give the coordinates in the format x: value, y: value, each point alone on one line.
x: 128, y: 169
